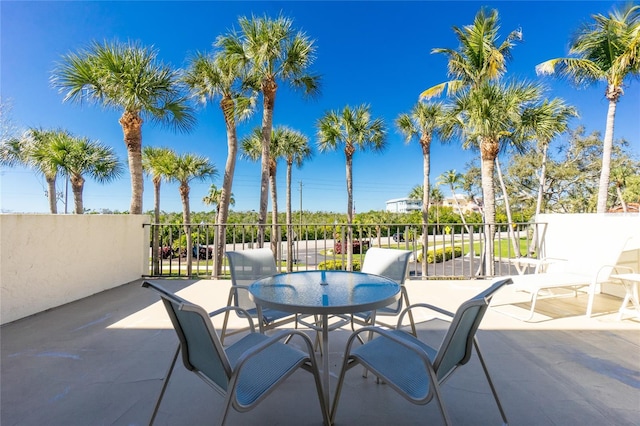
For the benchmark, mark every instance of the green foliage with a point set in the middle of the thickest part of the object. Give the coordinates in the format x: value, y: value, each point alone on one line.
x: 572, y: 177
x: 337, y: 265
x: 440, y: 255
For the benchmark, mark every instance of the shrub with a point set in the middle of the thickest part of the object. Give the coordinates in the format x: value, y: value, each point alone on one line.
x: 441, y: 255
x: 336, y: 265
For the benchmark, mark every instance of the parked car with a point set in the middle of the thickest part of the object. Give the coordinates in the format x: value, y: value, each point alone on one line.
x: 398, y: 237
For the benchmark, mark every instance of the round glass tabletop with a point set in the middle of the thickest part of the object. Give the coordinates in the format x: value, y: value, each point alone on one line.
x: 325, y: 292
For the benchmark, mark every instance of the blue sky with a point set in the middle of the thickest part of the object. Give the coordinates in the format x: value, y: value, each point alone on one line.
x: 376, y: 53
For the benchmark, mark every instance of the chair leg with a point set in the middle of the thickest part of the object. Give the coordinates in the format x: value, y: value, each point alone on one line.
x: 316, y: 376
x: 438, y: 397
x: 223, y: 332
x: 406, y: 303
x: 592, y: 295
x: 317, y: 342
x: 493, y: 389
x: 227, y: 403
x: 165, y: 382
x: 286, y: 341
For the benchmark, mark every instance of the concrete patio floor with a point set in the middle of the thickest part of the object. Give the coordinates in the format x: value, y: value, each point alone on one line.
x: 101, y: 360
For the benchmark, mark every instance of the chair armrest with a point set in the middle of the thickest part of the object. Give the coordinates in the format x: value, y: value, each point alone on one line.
x: 249, y: 353
x: 235, y: 287
x: 389, y: 335
x: 237, y: 309
x: 545, y: 261
x: 423, y: 305
x: 613, y: 269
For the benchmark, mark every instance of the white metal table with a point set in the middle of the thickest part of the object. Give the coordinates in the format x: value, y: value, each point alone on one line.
x: 324, y: 293
x: 630, y: 282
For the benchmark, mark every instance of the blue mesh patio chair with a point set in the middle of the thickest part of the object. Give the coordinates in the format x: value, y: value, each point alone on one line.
x: 414, y: 369
x: 244, y: 372
x: 247, y: 266
x: 392, y: 264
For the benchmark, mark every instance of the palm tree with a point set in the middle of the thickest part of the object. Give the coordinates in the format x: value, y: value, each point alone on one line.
x: 78, y: 157
x: 156, y: 162
x: 546, y: 121
x: 453, y: 180
x: 606, y: 50
x: 208, y: 78
x: 126, y: 77
x: 295, y: 149
x: 424, y: 120
x: 252, y: 150
x: 436, y: 197
x: 184, y: 169
x: 417, y: 192
x: 271, y: 51
x: 214, y: 197
x: 33, y: 150
x: 489, y: 118
x: 480, y: 60
x: 356, y: 130
x: 479, y: 57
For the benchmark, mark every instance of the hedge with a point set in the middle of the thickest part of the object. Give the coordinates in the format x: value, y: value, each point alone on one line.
x: 441, y: 255
x: 336, y: 265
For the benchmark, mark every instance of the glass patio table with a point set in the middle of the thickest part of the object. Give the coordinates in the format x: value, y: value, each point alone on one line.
x: 324, y: 293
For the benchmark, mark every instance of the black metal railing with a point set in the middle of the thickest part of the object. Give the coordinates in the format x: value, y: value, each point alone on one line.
x: 452, y: 250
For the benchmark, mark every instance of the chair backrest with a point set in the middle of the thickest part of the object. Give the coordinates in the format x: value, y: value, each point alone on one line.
x: 457, y: 344
x: 389, y: 263
x: 247, y: 266
x: 201, y: 349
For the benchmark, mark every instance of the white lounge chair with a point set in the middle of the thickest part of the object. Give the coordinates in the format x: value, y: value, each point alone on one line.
x: 585, y: 268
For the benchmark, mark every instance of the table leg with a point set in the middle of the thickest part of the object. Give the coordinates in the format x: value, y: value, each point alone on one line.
x: 260, y: 319
x: 325, y: 360
x: 631, y: 297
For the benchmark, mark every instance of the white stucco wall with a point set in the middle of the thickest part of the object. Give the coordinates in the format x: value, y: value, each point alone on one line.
x: 49, y: 260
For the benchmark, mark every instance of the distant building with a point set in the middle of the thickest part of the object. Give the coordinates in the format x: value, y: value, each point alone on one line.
x: 403, y: 205
x: 466, y: 205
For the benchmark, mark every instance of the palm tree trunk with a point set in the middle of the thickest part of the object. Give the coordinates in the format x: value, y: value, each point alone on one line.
x: 619, y: 193
x: 155, y: 255
x: 541, y: 192
x: 274, y: 215
x: 349, y: 237
x: 488, y: 195
x: 227, y: 183
x: 132, y: 129
x: 543, y: 173
x: 290, y: 240
x: 507, y: 206
x: 77, y: 184
x: 269, y: 98
x: 603, y: 190
x: 53, y: 200
x: 464, y: 222
x: 186, y: 217
x: 426, y: 168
